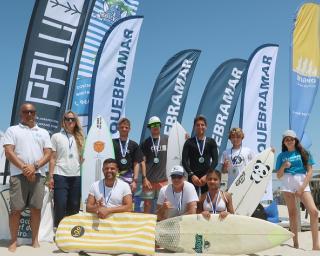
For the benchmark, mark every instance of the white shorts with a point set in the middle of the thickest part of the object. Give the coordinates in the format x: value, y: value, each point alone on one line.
x: 291, y: 183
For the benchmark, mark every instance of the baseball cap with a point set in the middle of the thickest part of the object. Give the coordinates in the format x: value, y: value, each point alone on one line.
x: 154, y: 120
x: 289, y: 133
x: 177, y: 170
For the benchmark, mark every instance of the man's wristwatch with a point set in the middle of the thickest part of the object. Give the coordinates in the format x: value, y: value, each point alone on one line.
x: 190, y: 174
x: 36, y: 166
x: 143, y: 177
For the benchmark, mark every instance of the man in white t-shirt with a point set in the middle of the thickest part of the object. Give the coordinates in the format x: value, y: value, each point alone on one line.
x: 109, y: 195
x: 178, y: 198
x: 28, y: 149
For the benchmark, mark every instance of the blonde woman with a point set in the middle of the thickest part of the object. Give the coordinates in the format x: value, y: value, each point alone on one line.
x: 64, y: 167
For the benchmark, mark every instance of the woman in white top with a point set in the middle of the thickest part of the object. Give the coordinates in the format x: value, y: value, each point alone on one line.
x: 64, y: 167
x: 215, y: 201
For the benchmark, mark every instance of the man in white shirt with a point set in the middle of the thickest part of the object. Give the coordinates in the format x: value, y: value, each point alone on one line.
x: 109, y: 195
x: 28, y: 149
x: 178, y: 198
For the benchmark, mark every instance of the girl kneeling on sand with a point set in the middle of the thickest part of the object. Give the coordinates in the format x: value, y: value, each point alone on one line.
x: 215, y: 200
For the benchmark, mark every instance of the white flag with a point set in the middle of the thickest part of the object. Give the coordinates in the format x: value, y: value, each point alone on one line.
x: 257, y: 101
x: 113, y: 70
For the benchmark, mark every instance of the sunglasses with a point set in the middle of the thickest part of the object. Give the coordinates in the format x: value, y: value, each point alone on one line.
x: 154, y: 125
x: 289, y: 139
x: 32, y: 112
x: 69, y: 119
x: 175, y: 176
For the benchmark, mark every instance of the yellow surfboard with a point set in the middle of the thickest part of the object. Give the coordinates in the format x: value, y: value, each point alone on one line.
x: 119, y: 233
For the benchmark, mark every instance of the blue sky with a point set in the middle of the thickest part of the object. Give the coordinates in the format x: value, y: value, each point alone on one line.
x: 222, y: 29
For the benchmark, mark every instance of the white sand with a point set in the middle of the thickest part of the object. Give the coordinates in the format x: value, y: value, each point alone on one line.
x: 284, y: 249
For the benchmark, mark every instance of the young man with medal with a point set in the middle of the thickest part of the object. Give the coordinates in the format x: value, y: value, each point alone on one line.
x: 178, y: 198
x: 154, y: 175
x: 128, y: 154
x: 109, y: 195
x: 235, y: 159
x: 64, y: 167
x: 199, y: 154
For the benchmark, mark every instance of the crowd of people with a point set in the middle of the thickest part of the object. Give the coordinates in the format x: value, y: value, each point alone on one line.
x: 29, y: 149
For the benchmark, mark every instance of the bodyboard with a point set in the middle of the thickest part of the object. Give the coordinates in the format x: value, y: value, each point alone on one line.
x: 118, y: 233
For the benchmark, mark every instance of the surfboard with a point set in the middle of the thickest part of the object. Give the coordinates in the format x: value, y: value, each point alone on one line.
x: 248, y: 188
x: 24, y: 233
x: 132, y: 233
x: 176, y: 140
x: 234, y: 235
x: 98, y: 147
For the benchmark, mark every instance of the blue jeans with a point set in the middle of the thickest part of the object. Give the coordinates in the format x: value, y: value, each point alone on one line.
x: 66, y: 196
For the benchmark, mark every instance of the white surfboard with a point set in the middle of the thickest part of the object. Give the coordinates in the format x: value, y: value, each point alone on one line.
x: 176, y: 140
x: 98, y: 147
x: 248, y: 188
x: 234, y: 235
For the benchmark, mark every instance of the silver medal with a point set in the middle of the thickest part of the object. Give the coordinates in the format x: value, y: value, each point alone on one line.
x: 123, y: 161
x: 70, y: 155
x: 201, y: 150
x: 156, y: 148
x: 124, y: 151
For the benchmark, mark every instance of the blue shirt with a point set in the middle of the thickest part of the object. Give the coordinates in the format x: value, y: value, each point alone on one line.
x: 295, y: 159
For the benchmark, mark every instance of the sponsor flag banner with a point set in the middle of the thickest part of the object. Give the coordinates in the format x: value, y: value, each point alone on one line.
x: 47, y: 57
x: 112, y: 72
x: 170, y: 91
x: 305, y: 67
x: 257, y: 101
x: 104, y: 14
x: 219, y: 100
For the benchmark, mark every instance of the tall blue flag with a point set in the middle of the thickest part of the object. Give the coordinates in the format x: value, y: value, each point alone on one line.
x: 170, y: 91
x: 219, y: 100
x: 104, y: 14
x: 47, y: 58
x: 305, y: 67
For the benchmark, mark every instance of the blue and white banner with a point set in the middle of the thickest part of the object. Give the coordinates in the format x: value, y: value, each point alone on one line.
x: 219, y: 100
x: 305, y: 67
x: 47, y: 57
x: 103, y: 15
x: 257, y: 101
x: 112, y: 72
x: 170, y: 91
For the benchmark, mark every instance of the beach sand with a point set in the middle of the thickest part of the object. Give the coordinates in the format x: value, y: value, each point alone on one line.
x: 285, y: 249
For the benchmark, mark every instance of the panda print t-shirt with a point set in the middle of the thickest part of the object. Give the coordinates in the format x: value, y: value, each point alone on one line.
x: 238, y: 158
